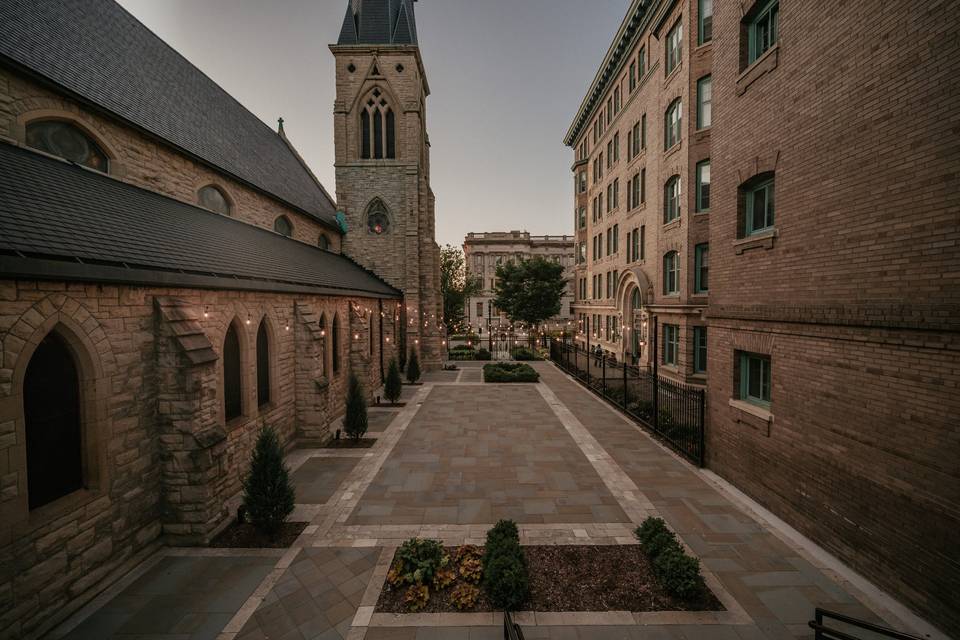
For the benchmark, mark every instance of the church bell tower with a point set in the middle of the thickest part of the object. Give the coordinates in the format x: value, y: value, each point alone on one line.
x: 383, y: 163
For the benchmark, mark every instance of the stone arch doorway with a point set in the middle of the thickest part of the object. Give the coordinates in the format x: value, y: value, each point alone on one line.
x: 52, y: 415
x: 633, y: 294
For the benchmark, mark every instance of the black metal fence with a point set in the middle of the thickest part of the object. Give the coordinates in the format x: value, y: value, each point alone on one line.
x: 851, y: 628
x: 672, y: 410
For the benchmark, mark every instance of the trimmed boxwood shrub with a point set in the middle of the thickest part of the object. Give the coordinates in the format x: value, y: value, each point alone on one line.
x: 507, y: 372
x: 678, y: 572
x: 523, y: 354
x: 505, y: 577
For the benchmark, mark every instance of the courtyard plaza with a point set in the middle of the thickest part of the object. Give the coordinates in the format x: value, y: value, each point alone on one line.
x: 459, y: 456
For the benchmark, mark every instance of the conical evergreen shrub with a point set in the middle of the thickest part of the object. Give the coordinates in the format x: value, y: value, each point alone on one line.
x: 268, y: 495
x: 413, y: 367
x: 355, y: 423
x: 393, y: 386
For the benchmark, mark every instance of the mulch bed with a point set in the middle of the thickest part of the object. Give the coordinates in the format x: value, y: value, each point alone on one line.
x: 247, y: 536
x: 348, y: 443
x: 575, y: 578
x: 388, y: 405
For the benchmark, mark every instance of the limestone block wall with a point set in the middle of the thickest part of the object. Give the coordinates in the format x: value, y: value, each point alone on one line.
x: 161, y: 462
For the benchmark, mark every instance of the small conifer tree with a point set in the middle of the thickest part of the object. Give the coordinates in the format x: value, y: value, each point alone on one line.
x: 268, y: 495
x: 393, y: 386
x: 413, y: 367
x: 355, y: 423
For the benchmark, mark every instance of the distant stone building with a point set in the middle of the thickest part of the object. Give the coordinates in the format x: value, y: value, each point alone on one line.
x: 485, y: 251
x: 173, y: 278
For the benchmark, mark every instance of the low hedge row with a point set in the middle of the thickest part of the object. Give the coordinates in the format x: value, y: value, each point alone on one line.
x: 507, y: 372
x: 505, y: 577
x: 677, y: 572
x: 525, y: 354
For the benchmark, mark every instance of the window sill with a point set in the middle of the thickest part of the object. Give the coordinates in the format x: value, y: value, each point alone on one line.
x: 702, y: 213
x: 57, y: 509
x: 764, y: 240
x: 758, y: 68
x: 752, y: 415
x: 672, y: 150
x: 673, y: 73
x: 673, y: 224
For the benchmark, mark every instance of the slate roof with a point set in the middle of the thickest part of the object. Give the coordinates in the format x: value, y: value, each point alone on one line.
x: 97, y: 51
x: 64, y: 222
x: 379, y: 22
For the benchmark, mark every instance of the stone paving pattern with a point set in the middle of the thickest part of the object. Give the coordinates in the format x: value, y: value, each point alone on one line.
x: 458, y: 457
x: 483, y: 453
x: 178, y: 599
x: 316, y: 598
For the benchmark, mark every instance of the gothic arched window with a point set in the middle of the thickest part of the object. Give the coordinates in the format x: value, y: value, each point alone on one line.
x: 335, y: 343
x: 263, y: 365
x: 378, y: 219
x: 324, y: 242
x: 378, y: 128
x: 51, y: 404
x: 67, y: 141
x: 282, y: 226
x: 323, y: 345
x: 232, y: 387
x: 212, y: 198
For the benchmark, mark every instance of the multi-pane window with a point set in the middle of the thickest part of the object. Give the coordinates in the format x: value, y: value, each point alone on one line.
x: 760, y: 207
x: 609, y: 197
x: 635, y: 245
x: 671, y: 200
x: 616, y: 238
x: 671, y: 273
x: 643, y: 185
x: 263, y: 365
x: 616, y: 147
x: 609, y: 241
x: 67, y: 141
x: 699, y: 349
x: 671, y: 344
x: 671, y: 134
x: 609, y: 153
x: 378, y: 128
x: 616, y: 101
x: 703, y: 186
x: 674, y: 49
x: 609, y: 284
x: 635, y: 138
x: 282, y: 226
x: 763, y: 29
x: 704, y: 103
x: 583, y: 182
x: 643, y: 131
x: 633, y: 76
x: 642, y: 62
x: 701, y: 268
x: 634, y: 195
x: 582, y: 215
x: 705, y: 19
x: 643, y: 242
x: 755, y: 377
x: 616, y: 193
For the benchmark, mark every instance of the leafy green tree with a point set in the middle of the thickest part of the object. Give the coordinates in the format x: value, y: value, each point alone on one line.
x: 355, y: 423
x: 529, y: 291
x: 413, y: 367
x: 268, y: 495
x: 393, y: 386
x: 455, y: 287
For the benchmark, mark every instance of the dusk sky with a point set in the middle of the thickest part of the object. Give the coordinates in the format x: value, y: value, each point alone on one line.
x: 506, y: 76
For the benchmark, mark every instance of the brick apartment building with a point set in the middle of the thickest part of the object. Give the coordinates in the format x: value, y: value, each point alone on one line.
x: 173, y: 277
x: 642, y: 190
x: 484, y: 252
x: 834, y: 308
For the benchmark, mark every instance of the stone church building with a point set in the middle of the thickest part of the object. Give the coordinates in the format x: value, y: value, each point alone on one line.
x: 173, y: 277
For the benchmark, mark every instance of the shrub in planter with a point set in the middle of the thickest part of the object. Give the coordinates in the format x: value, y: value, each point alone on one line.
x: 507, y: 372
x: 393, y: 386
x: 464, y: 596
x: 355, y: 422
x: 524, y: 355
x: 505, y: 577
x: 413, y: 367
x: 268, y: 495
x: 483, y: 354
x: 419, y: 560
x: 416, y: 597
x: 679, y: 573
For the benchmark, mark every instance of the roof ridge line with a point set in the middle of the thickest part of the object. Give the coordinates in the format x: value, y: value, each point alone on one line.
x: 306, y: 167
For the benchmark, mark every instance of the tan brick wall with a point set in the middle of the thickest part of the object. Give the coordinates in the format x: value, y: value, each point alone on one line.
x: 143, y: 161
x: 857, y: 298
x: 655, y: 92
x: 167, y: 465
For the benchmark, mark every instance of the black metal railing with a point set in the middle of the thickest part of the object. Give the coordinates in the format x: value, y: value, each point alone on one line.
x: 511, y: 630
x: 672, y: 410
x: 824, y: 632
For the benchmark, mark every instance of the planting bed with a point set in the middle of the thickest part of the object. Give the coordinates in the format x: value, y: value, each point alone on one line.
x: 349, y: 443
x: 573, y: 578
x: 246, y: 536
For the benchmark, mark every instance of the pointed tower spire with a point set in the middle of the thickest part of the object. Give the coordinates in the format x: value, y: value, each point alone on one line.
x: 348, y: 33
x: 379, y: 22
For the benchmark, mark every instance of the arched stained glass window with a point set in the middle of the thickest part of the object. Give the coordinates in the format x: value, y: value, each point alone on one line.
x: 212, y: 198
x: 67, y: 141
x: 378, y: 128
x: 263, y: 365
x: 232, y: 388
x: 378, y: 219
x: 282, y: 226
